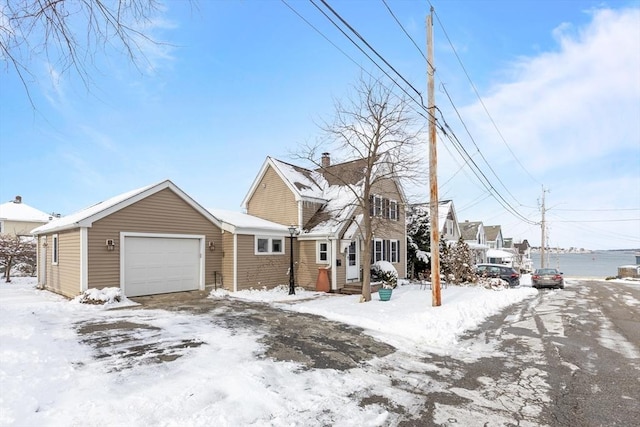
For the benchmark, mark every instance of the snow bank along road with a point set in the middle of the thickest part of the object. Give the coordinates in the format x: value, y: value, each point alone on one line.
x: 562, y: 358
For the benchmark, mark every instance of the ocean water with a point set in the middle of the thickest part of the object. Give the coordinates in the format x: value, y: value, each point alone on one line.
x: 600, y: 264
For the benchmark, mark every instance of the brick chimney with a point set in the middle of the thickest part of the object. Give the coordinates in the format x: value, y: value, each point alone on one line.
x: 18, y: 199
x: 326, y: 160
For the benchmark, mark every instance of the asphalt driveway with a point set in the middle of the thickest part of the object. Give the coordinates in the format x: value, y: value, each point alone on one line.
x: 312, y: 341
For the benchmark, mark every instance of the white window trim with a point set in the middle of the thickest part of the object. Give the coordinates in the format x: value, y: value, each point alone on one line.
x: 55, y: 249
x: 270, y: 240
x: 394, y: 255
x: 318, y: 260
x: 375, y: 250
x: 377, y: 210
x: 395, y: 204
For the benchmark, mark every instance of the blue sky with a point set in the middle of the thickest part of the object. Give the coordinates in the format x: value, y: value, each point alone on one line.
x: 242, y: 80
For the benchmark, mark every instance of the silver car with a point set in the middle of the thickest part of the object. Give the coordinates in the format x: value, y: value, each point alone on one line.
x: 547, y: 278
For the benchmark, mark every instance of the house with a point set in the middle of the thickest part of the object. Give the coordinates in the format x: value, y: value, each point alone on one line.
x: 322, y: 205
x: 474, y: 235
x: 447, y: 219
x: 524, y: 261
x: 18, y: 219
x: 493, y: 234
x: 155, y: 239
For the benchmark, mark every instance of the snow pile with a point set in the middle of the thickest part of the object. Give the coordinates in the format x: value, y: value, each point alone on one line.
x: 110, y: 297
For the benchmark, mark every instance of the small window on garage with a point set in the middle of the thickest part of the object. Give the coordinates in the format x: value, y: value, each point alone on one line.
x: 269, y: 245
x: 54, y: 249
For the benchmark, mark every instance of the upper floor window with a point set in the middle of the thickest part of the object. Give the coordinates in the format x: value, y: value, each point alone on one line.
x: 393, y: 210
x: 269, y: 245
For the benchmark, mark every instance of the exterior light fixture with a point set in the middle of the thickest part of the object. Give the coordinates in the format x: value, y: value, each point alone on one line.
x: 293, y: 231
x: 212, y: 245
x: 111, y: 244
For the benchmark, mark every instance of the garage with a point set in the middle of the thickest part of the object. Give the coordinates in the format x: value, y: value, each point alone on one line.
x: 161, y: 264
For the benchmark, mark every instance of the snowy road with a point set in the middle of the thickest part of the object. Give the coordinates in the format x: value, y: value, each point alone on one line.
x: 565, y: 358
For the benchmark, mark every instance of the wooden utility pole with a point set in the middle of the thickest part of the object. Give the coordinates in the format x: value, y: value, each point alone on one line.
x: 543, y: 238
x: 433, y: 169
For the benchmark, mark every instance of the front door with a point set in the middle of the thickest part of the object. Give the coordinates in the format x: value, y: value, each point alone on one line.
x: 353, y: 271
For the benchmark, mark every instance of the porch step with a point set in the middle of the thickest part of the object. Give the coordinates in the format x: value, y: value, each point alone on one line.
x: 351, y: 289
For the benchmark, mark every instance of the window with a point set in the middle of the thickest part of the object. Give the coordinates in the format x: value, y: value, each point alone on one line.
x: 378, y: 251
x: 385, y: 250
x: 393, y: 210
x: 269, y: 245
x: 395, y: 250
x: 323, y: 253
x: 377, y: 206
x: 54, y: 249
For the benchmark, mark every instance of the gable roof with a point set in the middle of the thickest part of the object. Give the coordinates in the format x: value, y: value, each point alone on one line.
x: 492, y: 232
x: 334, y: 186
x: 19, y: 211
x: 469, y: 229
x: 445, y: 209
x: 86, y: 217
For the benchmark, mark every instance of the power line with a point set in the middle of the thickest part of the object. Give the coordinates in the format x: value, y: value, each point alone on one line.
x: 407, y: 34
x: 475, y: 90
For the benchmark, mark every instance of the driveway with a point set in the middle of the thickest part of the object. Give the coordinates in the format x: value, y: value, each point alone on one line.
x: 312, y: 341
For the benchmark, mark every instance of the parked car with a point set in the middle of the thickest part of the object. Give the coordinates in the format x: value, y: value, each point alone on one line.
x: 547, y: 277
x: 504, y: 272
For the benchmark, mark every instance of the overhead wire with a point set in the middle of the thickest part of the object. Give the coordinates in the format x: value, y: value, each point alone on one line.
x: 475, y: 90
x: 443, y: 129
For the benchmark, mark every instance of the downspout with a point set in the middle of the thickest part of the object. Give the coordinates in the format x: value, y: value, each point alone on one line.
x: 334, y: 269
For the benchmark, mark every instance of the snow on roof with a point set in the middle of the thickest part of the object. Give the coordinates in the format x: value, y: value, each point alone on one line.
x: 73, y: 220
x: 12, y: 211
x: 238, y: 222
x: 340, y: 206
x: 308, y: 183
x: 497, y: 253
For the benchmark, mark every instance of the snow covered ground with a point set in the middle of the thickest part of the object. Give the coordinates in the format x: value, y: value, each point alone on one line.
x: 49, y: 377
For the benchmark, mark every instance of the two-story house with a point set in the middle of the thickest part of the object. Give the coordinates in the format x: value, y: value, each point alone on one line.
x: 324, y: 204
x: 474, y: 235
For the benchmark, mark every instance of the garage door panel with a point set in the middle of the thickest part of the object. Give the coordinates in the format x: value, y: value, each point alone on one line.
x: 155, y: 265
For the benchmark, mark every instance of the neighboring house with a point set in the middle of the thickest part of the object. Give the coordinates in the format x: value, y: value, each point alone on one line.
x: 525, y: 263
x: 18, y: 218
x: 447, y: 219
x: 493, y: 234
x: 473, y: 233
x: 152, y: 240
x: 322, y: 205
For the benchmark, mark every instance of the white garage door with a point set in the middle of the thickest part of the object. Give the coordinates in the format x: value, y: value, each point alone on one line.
x: 157, y: 265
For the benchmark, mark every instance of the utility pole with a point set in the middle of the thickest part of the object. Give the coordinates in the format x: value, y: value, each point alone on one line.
x: 433, y: 169
x: 543, y: 227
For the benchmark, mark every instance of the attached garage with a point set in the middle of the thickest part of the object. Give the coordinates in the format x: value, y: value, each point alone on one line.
x: 159, y: 264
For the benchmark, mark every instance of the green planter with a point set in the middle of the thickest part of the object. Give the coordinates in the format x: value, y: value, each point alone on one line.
x: 384, y: 294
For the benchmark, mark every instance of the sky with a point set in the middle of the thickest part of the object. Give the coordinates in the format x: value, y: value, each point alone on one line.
x: 543, y: 95
x: 56, y: 379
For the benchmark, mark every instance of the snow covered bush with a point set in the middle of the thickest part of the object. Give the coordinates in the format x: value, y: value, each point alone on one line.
x: 385, y: 272
x: 100, y: 296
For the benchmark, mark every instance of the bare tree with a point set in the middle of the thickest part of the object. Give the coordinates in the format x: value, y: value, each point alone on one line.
x: 377, y: 128
x: 15, y: 250
x: 68, y: 33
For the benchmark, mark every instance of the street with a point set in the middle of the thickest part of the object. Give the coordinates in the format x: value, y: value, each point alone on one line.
x: 566, y: 358
x: 561, y: 358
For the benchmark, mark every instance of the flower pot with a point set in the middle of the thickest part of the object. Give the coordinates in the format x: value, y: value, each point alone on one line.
x: 384, y: 294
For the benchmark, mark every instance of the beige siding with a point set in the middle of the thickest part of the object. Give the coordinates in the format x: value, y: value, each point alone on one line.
x: 307, y: 268
x: 227, y: 260
x: 64, y: 278
x: 19, y: 228
x: 273, y: 200
x: 256, y: 271
x: 387, y: 229
x: 163, y: 212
